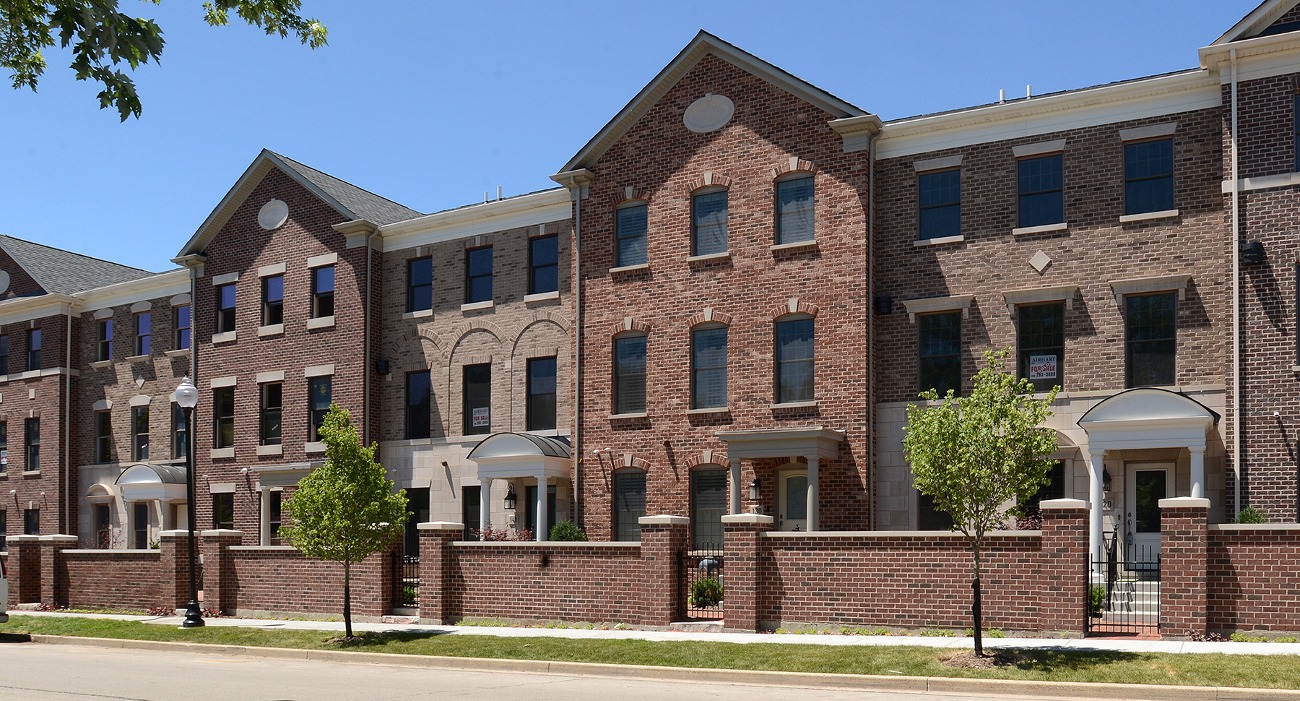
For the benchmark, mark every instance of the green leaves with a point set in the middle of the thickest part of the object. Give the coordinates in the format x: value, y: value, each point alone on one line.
x: 101, y: 38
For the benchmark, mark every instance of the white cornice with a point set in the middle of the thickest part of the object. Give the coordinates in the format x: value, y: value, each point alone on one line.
x: 1260, y: 57
x: 19, y: 309
x: 1258, y: 20
x: 1107, y: 104
x: 172, y: 282
x: 527, y: 210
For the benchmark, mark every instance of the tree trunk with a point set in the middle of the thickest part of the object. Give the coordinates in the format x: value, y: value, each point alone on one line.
x: 347, y: 599
x: 976, y: 611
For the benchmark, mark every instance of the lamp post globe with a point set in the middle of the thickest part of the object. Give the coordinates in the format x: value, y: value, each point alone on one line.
x: 187, y: 397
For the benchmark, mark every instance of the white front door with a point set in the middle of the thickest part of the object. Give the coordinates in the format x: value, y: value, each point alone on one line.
x: 1147, y: 484
x: 792, y: 501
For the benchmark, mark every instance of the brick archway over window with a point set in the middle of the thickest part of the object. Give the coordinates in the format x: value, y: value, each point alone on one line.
x: 630, y: 324
x: 709, y: 316
x: 708, y: 179
x: 707, y: 457
x: 794, y: 305
x: 794, y: 165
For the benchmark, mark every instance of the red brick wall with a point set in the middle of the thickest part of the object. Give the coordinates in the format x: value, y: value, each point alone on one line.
x: 281, y: 579
x: 897, y: 580
x: 1252, y: 578
x: 115, y: 579
x: 1183, y: 569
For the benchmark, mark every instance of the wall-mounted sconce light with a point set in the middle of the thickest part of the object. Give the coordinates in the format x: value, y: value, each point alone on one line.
x: 884, y: 304
x: 1105, y: 480
x: 381, y: 366
x: 1252, y: 252
x: 753, y: 490
x: 511, y: 499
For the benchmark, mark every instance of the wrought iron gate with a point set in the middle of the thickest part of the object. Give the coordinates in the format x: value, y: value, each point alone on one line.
x: 1123, y: 594
x: 406, y: 578
x: 702, y: 584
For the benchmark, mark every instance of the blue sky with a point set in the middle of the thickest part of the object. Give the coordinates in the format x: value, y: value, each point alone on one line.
x: 433, y: 103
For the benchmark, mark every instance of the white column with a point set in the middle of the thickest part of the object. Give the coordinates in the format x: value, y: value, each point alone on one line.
x: 485, y: 505
x: 264, y: 530
x: 1096, y: 468
x: 1198, y: 473
x: 733, y: 489
x: 540, y: 527
x: 814, y: 492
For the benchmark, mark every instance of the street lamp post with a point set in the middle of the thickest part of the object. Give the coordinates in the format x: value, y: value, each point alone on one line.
x: 187, y: 396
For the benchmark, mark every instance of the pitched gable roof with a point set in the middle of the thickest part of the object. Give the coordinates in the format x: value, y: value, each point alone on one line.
x: 1257, y: 22
x: 63, y: 272
x: 702, y: 45
x: 345, y: 198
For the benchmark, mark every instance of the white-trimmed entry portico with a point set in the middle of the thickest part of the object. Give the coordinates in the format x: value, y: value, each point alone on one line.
x: 1138, y: 419
x: 814, y: 444
x: 510, y: 456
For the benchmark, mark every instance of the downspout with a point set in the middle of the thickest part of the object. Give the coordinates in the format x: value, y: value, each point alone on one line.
x: 67, y: 425
x: 577, y: 354
x: 365, y: 371
x: 1236, y: 304
x: 871, y: 331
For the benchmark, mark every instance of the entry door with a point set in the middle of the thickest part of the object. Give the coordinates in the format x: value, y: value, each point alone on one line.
x: 1148, y: 483
x: 792, y: 501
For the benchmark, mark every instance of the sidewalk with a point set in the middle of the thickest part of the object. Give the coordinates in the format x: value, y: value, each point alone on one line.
x: 1170, y: 646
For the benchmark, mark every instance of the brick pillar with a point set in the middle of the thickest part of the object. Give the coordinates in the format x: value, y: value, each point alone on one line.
x: 742, y: 545
x: 54, y: 578
x: 663, y: 541
x: 220, y: 590
x: 1063, y: 572
x: 24, y: 569
x: 1183, y: 560
x: 437, y: 562
x: 173, y: 585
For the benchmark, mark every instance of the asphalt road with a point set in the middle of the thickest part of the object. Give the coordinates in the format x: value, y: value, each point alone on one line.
x: 35, y: 672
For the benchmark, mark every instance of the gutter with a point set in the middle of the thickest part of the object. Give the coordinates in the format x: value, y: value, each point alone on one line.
x: 66, y: 428
x: 1236, y: 303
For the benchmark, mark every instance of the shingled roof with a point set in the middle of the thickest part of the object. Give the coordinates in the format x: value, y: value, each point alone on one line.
x: 363, y: 203
x: 63, y: 272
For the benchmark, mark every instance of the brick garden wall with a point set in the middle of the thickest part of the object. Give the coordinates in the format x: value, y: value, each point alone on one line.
x: 281, y: 579
x: 114, y: 579
x: 1253, y: 577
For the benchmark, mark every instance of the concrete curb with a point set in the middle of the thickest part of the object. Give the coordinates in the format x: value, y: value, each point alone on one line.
x: 1002, y: 688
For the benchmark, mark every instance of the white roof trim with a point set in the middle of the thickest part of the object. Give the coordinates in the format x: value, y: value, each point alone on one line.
x: 542, y: 207
x: 1257, y: 21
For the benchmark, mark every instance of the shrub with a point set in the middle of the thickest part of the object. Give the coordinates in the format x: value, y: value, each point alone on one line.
x: 1251, y: 515
x: 504, y: 534
x: 1096, y: 600
x: 705, y: 591
x: 567, y: 531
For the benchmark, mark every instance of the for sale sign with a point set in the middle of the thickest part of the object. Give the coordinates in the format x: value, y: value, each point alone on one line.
x: 1042, y: 367
x: 481, y: 417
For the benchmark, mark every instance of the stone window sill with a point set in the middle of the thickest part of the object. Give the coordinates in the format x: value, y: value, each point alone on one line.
x: 476, y: 306
x: 138, y: 358
x: 29, y: 473
x: 101, y: 364
x: 708, y: 410
x: 270, y: 330
x: 177, y: 352
x: 920, y: 243
x: 792, y: 405
x: 418, y: 314
x: 270, y: 450
x: 542, y: 296
x: 221, y: 453
x: 321, y: 322
x: 632, y: 415
x: 1148, y: 216
x: 709, y: 257
x: 629, y: 268
x: 313, y: 447
x: 224, y: 337
x: 1042, y: 229
x: 793, y: 246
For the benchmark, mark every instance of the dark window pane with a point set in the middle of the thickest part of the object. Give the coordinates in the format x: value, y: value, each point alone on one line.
x: 541, y: 394
x: 1053, y: 489
x: 183, y: 327
x: 1149, y: 176
x: 320, y: 391
x: 180, y: 433
x: 939, y: 342
x: 272, y: 300
x: 1042, y: 344
x: 272, y: 411
x: 477, y: 398
x: 629, y: 504
x: 709, y: 223
x: 419, y: 284
x: 794, y: 210
x: 794, y: 361
x: 629, y: 374
x: 1151, y: 337
x: 4, y: 355
x: 708, y: 504
x: 709, y: 368
x: 143, y: 333
x: 223, y: 510
x: 418, y: 390
x: 322, y: 291
x: 103, y: 437
x: 1040, y: 189
x: 223, y: 414
x: 543, y: 264
x: 104, y: 349
x: 930, y: 518
x: 140, y: 432
x: 630, y: 244
x: 478, y: 275
x: 225, y: 308
x: 33, y: 350
x: 939, y: 196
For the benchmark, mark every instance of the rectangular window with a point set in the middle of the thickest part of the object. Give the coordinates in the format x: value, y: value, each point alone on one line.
x: 794, y: 360
x: 708, y: 504
x: 631, y: 236
x: 1053, y: 489
x: 272, y: 300
x: 182, y: 313
x: 939, y: 345
x: 180, y: 433
x: 33, y: 349
x: 629, y: 374
x: 470, y: 506
x: 1149, y: 176
x: 629, y: 504
x: 929, y: 517
x: 223, y: 510
x: 31, y: 521
x: 418, y: 390
x: 103, y: 527
x: 476, y: 391
x: 140, y: 432
x: 541, y: 394
x: 322, y: 291
x: 1041, y: 340
x: 4, y: 530
x: 939, y: 198
x: 320, y: 392
x: 709, y: 367
x: 223, y: 417
x: 1296, y: 118
x: 103, y: 437
x: 419, y: 284
x: 4, y: 448
x: 104, y: 340
x: 4, y: 355
x: 1041, y: 191
x: 794, y: 210
x: 225, y: 321
x: 140, y: 525
x: 543, y: 264
x: 478, y: 275
x: 274, y: 516
x: 32, y: 442
x: 272, y: 405
x: 709, y: 223
x: 1150, y: 338
x: 144, y: 333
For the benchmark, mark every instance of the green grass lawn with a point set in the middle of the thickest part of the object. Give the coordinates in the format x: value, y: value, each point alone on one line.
x: 1258, y: 671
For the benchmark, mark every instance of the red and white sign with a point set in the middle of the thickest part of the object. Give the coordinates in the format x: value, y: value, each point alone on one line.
x: 1042, y: 367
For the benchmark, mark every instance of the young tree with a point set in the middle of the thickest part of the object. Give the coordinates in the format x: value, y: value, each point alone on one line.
x: 974, y: 454
x: 346, y: 509
x: 103, y: 38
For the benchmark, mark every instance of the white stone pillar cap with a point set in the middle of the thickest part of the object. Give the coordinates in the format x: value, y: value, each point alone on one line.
x: 1184, y: 503
x: 440, y: 526
x: 755, y: 519
x: 664, y: 520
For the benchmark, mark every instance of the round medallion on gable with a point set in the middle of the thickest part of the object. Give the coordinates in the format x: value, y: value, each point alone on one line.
x: 273, y: 215
x: 709, y: 113
x: 4, y: 281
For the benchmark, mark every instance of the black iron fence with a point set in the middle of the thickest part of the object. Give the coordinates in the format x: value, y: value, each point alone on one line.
x: 703, y: 584
x: 1124, y: 589
x: 406, y: 579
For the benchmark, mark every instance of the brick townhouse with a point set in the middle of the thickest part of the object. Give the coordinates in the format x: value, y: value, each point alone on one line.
x: 726, y: 307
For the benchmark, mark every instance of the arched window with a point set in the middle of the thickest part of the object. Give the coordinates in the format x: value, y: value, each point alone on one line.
x: 629, y: 373
x: 708, y: 366
x: 709, y: 221
x: 794, y: 208
x: 630, y: 235
x: 629, y: 504
x: 793, y: 359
